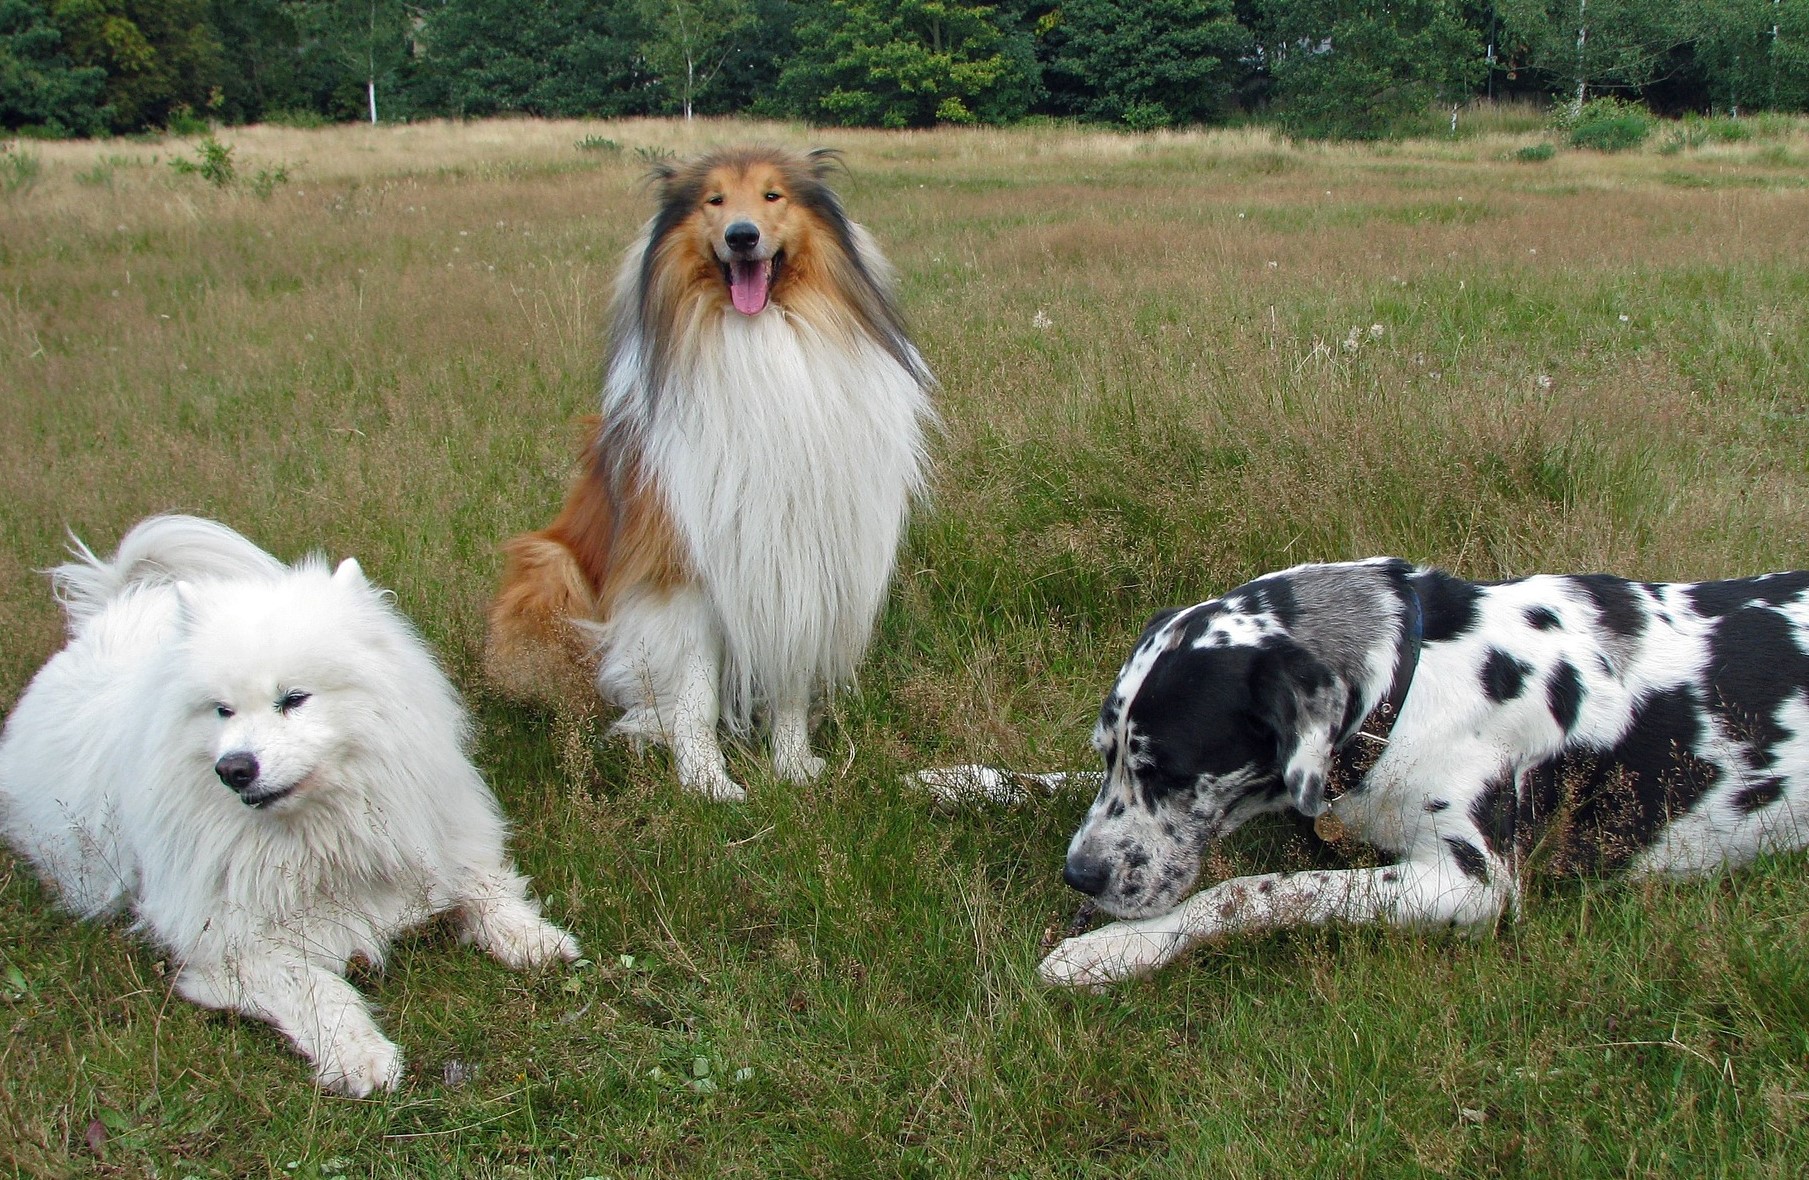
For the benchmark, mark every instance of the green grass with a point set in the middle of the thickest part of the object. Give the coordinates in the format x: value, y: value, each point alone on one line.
x: 1148, y: 398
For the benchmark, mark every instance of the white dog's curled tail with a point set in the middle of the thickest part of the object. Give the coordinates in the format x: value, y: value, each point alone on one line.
x: 159, y: 549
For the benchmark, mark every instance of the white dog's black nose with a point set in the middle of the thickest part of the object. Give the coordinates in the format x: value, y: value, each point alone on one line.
x: 237, y: 770
x: 1087, y: 874
x: 742, y: 236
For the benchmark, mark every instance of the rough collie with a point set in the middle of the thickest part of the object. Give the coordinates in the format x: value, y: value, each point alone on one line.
x: 264, y: 765
x: 727, y: 545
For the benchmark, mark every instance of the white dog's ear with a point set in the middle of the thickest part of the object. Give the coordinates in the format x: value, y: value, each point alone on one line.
x: 1304, y: 703
x: 349, y: 572
x: 185, y: 605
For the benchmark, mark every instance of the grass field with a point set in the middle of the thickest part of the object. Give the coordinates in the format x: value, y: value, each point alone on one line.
x: 1168, y: 363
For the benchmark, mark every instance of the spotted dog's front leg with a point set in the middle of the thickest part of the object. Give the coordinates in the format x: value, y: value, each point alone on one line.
x: 1412, y: 893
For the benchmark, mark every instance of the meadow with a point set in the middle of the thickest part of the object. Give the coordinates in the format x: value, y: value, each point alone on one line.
x: 1167, y: 363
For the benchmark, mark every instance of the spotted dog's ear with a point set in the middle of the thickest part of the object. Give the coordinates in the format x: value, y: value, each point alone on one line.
x: 1303, y: 702
x: 1158, y: 620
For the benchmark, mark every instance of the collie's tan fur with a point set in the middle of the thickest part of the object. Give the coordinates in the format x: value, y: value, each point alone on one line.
x: 727, y: 546
x: 576, y: 568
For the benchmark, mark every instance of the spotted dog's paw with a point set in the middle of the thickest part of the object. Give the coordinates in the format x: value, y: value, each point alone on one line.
x: 1112, y: 953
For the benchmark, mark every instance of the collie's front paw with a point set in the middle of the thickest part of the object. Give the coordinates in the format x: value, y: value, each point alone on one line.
x: 714, y: 785
x: 798, y: 766
x: 357, y: 1063
x: 1112, y: 953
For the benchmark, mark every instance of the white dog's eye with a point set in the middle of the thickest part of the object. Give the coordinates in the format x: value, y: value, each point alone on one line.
x: 222, y: 711
x: 292, y: 700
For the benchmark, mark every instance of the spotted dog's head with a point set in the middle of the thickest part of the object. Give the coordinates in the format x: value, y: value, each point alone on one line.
x: 1230, y: 709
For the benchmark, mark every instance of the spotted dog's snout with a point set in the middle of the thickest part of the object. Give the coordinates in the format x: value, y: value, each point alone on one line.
x: 1086, y: 874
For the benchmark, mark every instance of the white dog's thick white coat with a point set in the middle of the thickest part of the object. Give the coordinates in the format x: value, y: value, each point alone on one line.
x: 193, y: 654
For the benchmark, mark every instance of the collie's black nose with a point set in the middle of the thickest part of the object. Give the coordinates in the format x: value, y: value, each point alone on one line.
x: 742, y: 236
x: 237, y: 770
x: 1087, y: 874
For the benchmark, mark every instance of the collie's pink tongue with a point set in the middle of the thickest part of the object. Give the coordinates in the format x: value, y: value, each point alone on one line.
x: 747, y: 285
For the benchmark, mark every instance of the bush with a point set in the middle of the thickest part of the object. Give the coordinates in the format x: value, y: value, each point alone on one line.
x: 214, y: 166
x: 267, y: 180
x: 1536, y: 153
x: 1146, y: 116
x: 183, y: 121
x: 1605, y: 124
x: 18, y: 170
x: 302, y: 119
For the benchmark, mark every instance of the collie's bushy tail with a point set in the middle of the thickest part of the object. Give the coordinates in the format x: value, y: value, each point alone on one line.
x: 159, y: 549
x: 533, y: 651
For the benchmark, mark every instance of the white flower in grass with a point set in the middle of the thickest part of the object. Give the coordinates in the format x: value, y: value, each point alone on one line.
x: 1273, y: 264
x: 1041, y: 320
x: 1624, y: 319
x: 1543, y: 381
x: 1375, y: 331
x: 1352, y: 341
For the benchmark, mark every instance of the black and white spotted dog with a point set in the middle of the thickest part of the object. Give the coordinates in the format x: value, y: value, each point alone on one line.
x: 1564, y: 722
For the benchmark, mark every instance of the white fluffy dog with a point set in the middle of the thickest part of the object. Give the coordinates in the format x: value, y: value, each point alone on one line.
x: 266, y: 766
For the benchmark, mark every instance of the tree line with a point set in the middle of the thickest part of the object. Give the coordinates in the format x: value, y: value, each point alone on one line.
x: 1335, y: 68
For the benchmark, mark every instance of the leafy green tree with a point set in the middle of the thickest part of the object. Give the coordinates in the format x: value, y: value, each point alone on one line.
x: 690, y: 42
x: 260, y: 55
x: 909, y: 64
x: 348, y: 48
x: 1754, y: 53
x: 1582, y: 46
x: 541, y: 57
x: 39, y: 85
x: 158, y: 55
x: 1146, y: 62
x: 749, y: 77
x: 1355, y: 69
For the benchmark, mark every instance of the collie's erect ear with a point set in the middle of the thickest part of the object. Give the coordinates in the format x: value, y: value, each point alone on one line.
x: 1304, y: 703
x: 825, y: 160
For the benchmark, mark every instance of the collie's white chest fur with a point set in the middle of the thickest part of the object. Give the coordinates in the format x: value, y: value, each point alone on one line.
x: 788, y: 461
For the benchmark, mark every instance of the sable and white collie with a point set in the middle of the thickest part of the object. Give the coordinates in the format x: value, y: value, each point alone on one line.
x: 726, y: 548
x: 266, y: 767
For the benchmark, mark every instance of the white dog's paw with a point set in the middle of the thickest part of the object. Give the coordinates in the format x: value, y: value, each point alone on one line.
x: 1112, y: 953
x: 798, y: 766
x: 532, y: 943
x: 357, y: 1063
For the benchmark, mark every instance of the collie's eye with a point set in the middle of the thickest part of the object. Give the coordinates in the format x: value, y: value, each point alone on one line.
x: 715, y: 200
x: 291, y: 700
x: 773, y: 196
x: 222, y: 711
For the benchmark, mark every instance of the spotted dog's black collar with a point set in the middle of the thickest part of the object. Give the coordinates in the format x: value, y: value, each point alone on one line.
x: 1353, y: 760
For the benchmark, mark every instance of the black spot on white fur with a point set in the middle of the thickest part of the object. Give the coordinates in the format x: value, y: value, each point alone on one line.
x: 1564, y: 695
x: 1503, y: 676
x: 1543, y: 618
x: 1674, y: 720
